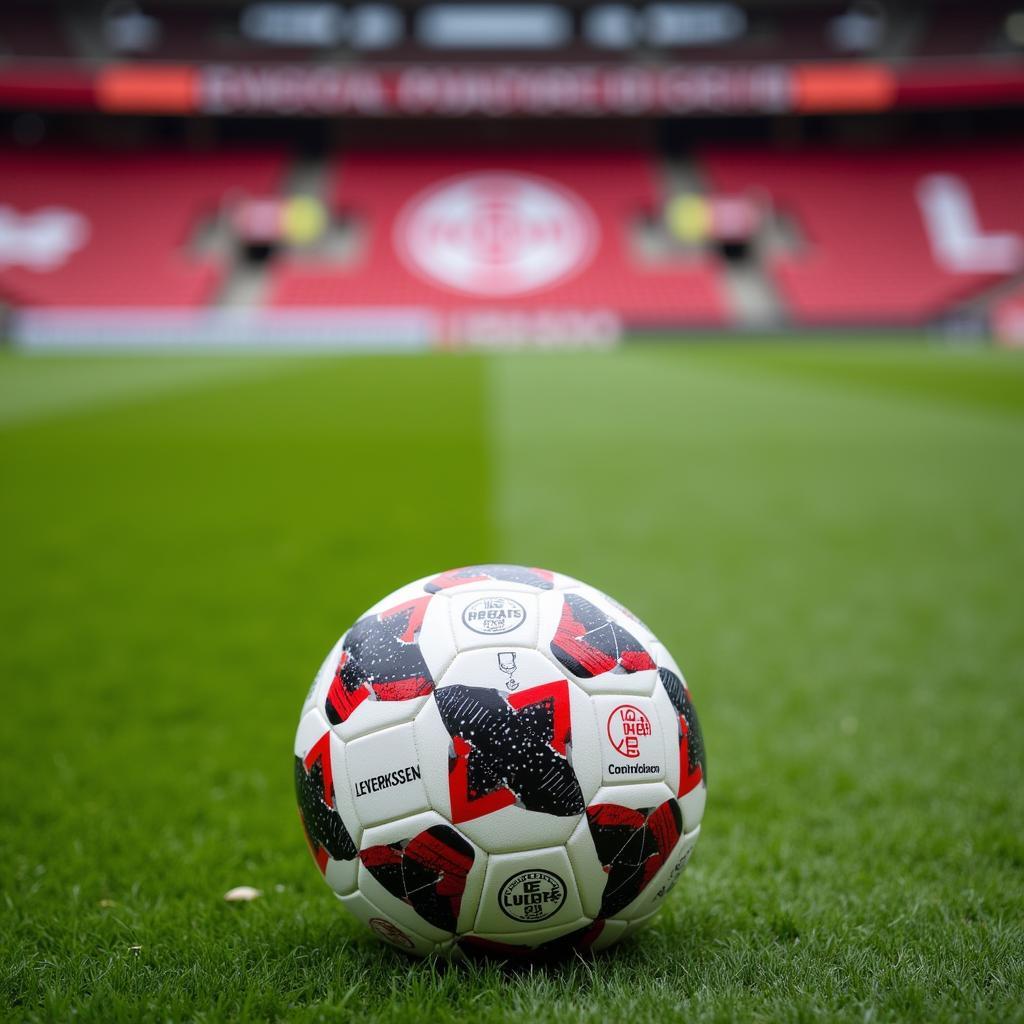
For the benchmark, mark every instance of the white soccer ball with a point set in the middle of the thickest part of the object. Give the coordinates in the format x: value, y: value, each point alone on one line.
x: 502, y: 760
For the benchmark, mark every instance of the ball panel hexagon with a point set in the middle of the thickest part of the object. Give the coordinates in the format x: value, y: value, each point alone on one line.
x: 373, y: 716
x: 385, y: 779
x: 691, y: 770
x: 425, y: 864
x: 522, y: 749
x: 633, y: 844
x: 668, y: 723
x: 389, y: 658
x: 342, y: 875
x: 493, y: 618
x: 628, y: 834
x: 594, y: 646
x: 586, y: 868
x: 640, y: 630
x: 692, y: 805
x: 328, y: 819
x: 649, y: 901
x: 519, y: 897
x: 633, y: 740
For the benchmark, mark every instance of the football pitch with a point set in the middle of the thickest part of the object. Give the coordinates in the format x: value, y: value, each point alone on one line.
x: 830, y: 538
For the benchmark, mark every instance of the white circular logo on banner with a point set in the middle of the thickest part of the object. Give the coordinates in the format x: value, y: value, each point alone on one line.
x: 496, y: 233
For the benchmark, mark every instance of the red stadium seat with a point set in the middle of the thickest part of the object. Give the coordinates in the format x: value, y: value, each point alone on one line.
x: 602, y: 196
x: 891, y: 237
x: 90, y: 229
x: 1008, y: 318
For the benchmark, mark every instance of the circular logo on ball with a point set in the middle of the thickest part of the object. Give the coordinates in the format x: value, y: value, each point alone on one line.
x: 496, y: 233
x: 493, y: 615
x: 391, y: 932
x: 532, y: 896
x: 627, y: 725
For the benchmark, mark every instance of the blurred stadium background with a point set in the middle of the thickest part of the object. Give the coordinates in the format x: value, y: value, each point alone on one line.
x: 407, y: 175
x: 828, y: 536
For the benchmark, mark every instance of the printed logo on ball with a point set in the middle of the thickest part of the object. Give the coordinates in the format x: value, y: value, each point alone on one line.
x: 398, y: 777
x: 627, y: 726
x: 507, y: 664
x: 634, y: 748
x: 532, y: 896
x: 391, y: 932
x: 491, y: 616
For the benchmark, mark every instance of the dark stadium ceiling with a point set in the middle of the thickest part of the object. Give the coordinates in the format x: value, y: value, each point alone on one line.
x: 204, y: 31
x: 916, y: 6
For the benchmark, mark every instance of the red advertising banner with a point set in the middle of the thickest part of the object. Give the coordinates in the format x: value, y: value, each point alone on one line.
x: 456, y: 91
x: 47, y: 86
x: 543, y: 90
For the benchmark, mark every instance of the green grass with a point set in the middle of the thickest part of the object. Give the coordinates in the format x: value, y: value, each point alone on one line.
x: 831, y: 539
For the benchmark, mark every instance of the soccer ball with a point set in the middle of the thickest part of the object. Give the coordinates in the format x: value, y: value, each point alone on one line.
x: 500, y: 760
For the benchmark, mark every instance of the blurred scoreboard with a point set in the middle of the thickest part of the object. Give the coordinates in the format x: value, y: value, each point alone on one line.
x: 478, y: 27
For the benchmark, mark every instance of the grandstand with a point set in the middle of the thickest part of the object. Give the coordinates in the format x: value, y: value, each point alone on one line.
x: 486, y: 173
